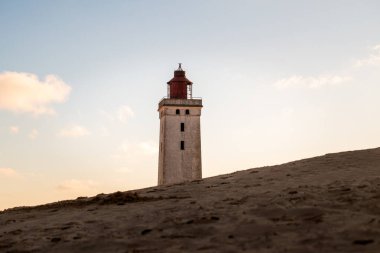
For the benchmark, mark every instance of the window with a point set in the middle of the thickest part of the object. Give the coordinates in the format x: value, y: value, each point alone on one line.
x: 177, y: 111
x: 187, y: 111
x: 182, y: 127
x: 182, y: 145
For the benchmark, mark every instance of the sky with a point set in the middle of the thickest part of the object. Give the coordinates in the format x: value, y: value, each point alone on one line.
x: 80, y: 83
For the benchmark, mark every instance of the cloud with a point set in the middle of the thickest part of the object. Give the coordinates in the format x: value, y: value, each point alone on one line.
x: 287, y: 112
x: 78, y: 186
x: 144, y: 148
x: 124, y: 113
x: 132, y: 150
x: 124, y: 170
x: 126, y: 148
x: 33, y: 134
x: 104, y: 132
x: 298, y: 81
x: 74, y: 131
x: 14, y: 129
x: 372, y: 60
x: 8, y: 172
x: 148, y: 147
x: 25, y: 93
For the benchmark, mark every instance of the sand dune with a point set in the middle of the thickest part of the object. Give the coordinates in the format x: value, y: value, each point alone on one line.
x: 324, y: 204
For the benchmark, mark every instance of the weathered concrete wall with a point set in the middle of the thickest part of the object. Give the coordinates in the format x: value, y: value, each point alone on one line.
x: 176, y: 165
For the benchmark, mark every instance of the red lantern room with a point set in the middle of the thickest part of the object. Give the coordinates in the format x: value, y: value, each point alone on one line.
x: 179, y: 87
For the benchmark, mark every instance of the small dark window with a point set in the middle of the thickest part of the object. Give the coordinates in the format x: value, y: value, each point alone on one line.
x: 182, y: 145
x: 182, y: 127
x: 177, y: 111
x: 187, y: 111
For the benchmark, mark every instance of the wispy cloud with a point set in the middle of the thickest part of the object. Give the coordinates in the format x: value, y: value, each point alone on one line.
x: 123, y: 114
x: 126, y: 148
x: 33, y: 134
x: 124, y: 170
x: 104, y: 132
x: 25, y: 93
x: 78, y: 186
x: 372, y: 60
x: 7, y: 172
x: 148, y: 147
x: 136, y: 149
x: 298, y: 81
x: 317, y: 82
x: 74, y: 131
x: 14, y: 129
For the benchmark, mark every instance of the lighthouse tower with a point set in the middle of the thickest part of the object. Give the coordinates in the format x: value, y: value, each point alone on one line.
x: 180, y: 132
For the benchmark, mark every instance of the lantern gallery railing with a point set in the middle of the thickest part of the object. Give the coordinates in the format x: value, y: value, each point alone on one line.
x: 179, y: 102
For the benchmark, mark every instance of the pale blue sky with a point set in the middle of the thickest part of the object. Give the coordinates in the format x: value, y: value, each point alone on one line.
x: 281, y: 80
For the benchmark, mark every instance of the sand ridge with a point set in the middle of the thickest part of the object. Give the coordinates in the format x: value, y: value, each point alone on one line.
x: 329, y: 203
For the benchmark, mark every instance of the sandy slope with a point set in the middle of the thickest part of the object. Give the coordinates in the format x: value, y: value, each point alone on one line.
x: 324, y: 204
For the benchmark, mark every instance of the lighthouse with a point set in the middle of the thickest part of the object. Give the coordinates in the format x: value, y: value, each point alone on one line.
x: 180, y: 132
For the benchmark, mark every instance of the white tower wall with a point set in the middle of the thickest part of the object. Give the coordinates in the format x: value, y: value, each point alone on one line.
x: 177, y: 165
